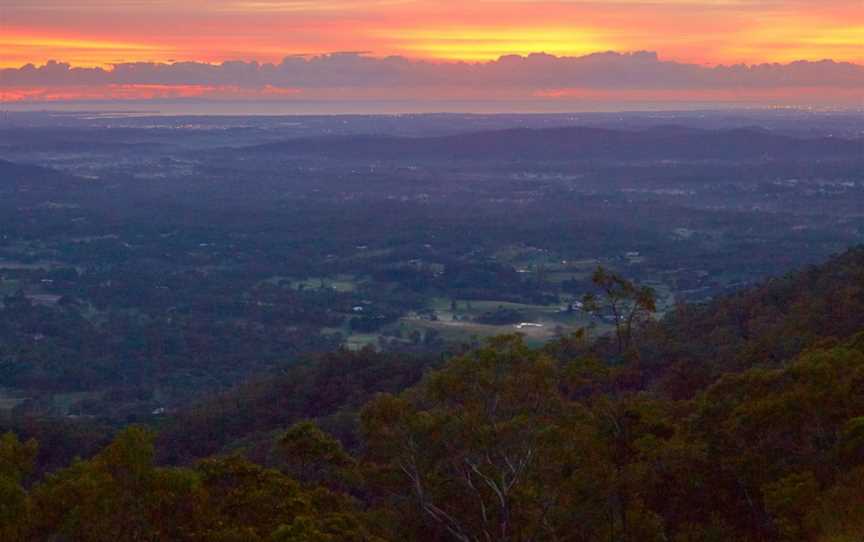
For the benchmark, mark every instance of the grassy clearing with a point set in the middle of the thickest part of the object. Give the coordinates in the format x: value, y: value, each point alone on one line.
x: 460, y: 325
x: 467, y: 332
x: 551, y: 314
x: 340, y: 283
x: 358, y: 341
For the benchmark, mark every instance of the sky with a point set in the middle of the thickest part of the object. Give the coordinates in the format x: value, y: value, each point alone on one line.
x: 436, y: 39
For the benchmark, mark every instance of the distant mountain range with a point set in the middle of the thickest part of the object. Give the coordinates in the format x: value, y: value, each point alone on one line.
x: 12, y: 173
x: 579, y: 143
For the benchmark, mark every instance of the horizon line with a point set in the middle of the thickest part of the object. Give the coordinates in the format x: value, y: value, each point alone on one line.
x: 657, y: 55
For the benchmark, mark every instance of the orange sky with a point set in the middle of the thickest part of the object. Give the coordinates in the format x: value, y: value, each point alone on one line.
x: 104, y: 32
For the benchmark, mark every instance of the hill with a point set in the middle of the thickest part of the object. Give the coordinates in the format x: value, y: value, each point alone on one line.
x: 506, y: 442
x: 766, y: 324
x: 578, y: 143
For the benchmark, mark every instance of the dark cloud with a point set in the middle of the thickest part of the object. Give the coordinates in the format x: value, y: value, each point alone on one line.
x: 602, y: 71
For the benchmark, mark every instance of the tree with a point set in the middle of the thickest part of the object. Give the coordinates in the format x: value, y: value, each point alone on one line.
x: 16, y: 461
x: 118, y: 495
x: 312, y: 455
x: 628, y: 303
x: 485, y: 451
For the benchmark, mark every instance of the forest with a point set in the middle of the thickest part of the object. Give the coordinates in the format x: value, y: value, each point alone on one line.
x: 146, y: 263
x: 618, y: 328
x: 737, y: 419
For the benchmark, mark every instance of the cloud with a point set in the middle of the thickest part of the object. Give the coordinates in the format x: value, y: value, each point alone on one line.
x: 353, y: 74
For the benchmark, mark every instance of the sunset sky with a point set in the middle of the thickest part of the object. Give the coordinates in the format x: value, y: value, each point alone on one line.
x: 103, y: 33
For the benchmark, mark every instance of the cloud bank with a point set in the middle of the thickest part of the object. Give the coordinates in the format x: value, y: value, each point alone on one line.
x: 359, y: 76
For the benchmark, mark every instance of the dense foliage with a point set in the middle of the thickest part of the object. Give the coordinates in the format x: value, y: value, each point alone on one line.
x: 256, y: 329
x: 330, y: 388
x: 764, y: 325
x: 504, y: 442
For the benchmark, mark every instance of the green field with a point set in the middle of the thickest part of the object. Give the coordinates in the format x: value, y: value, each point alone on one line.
x: 464, y: 328
x: 340, y: 283
x: 358, y: 341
